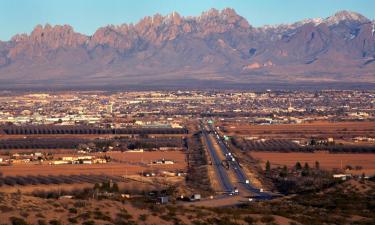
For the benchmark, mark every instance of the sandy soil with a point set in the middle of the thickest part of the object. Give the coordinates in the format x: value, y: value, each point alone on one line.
x: 109, y: 168
x: 147, y: 157
x: 32, y: 209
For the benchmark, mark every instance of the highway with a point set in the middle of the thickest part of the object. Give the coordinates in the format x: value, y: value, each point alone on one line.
x: 234, y: 165
x: 219, y: 169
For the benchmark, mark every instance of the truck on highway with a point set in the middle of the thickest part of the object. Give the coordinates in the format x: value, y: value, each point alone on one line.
x: 234, y: 191
x: 195, y: 197
x: 225, y: 164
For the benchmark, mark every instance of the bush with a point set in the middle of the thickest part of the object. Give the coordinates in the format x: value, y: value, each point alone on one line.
x: 101, y: 216
x: 5, y: 208
x: 54, y: 222
x: 72, y: 220
x: 73, y: 210
x: 24, y: 214
x: 90, y: 222
x: 143, y: 217
x: 267, y: 219
x: 39, y: 215
x: 17, y: 221
x: 42, y: 222
x: 249, y: 220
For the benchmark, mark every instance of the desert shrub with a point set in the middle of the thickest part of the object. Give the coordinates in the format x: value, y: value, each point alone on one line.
x: 123, y: 215
x: 39, y: 215
x: 72, y: 220
x: 55, y: 222
x: 165, y: 217
x: 89, y: 222
x: 249, y: 220
x: 73, y: 210
x: 85, y: 215
x: 101, y: 216
x: 5, y: 208
x: 124, y: 222
x: 24, y: 214
x: 17, y: 221
x: 221, y: 221
x: 143, y: 217
x: 42, y: 222
x: 198, y: 222
x: 267, y: 219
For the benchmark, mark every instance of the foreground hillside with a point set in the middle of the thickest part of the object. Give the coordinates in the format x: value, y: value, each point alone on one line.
x: 215, y: 49
x: 351, y: 202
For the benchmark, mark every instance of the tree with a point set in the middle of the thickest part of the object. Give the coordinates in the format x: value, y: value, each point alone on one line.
x: 306, y: 170
x: 115, y: 187
x: 268, y: 167
x: 298, y: 166
x: 105, y: 186
x: 284, y: 172
x: 96, y: 186
x: 317, y: 165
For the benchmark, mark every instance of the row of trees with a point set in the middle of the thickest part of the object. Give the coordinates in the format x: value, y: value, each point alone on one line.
x: 280, y: 145
x: 299, y: 178
x: 304, y: 171
x: 68, y: 143
x: 45, y: 130
x: 60, y: 179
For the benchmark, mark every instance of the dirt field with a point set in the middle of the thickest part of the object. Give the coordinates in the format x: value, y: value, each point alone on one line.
x: 108, y: 168
x: 317, y: 129
x: 326, y: 160
x: 146, y: 157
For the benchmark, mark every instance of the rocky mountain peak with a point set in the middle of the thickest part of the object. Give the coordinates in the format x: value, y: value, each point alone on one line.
x: 346, y: 16
x: 215, y: 41
x: 52, y: 36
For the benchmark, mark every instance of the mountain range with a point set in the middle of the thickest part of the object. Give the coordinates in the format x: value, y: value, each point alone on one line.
x: 215, y: 48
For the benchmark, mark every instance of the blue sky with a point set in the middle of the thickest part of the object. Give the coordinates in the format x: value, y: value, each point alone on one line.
x: 21, y: 16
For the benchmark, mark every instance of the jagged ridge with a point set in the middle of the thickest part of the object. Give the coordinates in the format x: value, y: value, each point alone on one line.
x: 218, y: 45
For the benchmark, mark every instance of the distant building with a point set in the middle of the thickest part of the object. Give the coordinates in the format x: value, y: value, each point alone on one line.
x: 342, y: 176
x: 110, y: 108
x: 163, y: 200
x: 59, y: 162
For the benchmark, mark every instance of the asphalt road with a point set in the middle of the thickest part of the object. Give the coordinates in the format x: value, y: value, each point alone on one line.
x: 240, y: 174
x: 219, y: 169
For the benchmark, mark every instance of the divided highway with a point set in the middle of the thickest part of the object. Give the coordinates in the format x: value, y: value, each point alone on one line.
x: 234, y: 165
x: 219, y: 169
